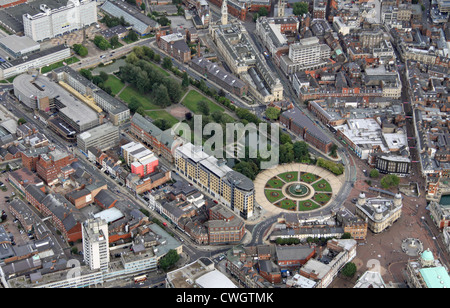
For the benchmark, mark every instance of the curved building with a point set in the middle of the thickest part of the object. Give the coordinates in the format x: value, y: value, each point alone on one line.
x: 223, y: 183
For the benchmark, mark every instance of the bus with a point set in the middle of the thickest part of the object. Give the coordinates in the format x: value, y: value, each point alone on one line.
x: 141, y: 278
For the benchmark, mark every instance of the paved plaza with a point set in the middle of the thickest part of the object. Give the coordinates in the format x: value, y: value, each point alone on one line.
x: 296, y: 188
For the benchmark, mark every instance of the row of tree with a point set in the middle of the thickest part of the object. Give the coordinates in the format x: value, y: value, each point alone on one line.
x: 149, y: 80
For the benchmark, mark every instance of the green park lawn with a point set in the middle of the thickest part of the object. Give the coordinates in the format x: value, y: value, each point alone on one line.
x: 273, y: 195
x: 322, y: 185
x: 307, y: 205
x: 289, y: 176
x: 191, y: 102
x: 115, y: 84
x: 145, y: 100
x: 275, y: 183
x: 162, y: 114
x: 322, y: 198
x: 308, y: 177
x: 288, y: 204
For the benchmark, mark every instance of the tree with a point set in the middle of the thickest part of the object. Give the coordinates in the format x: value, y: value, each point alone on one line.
x: 333, y: 150
x: 132, y: 36
x: 134, y: 104
x: 163, y: 21
x: 349, y: 269
x: 389, y: 181
x: 161, y: 96
x: 167, y: 63
x: 114, y: 41
x: 104, y: 76
x: 301, y: 152
x: 169, y: 259
x: 374, y: 173
x: 80, y: 50
x: 300, y: 8
x: 143, y: 6
x: 203, y: 107
x: 86, y: 73
x: 272, y: 113
x: 185, y: 83
x: 263, y: 11
x: 101, y: 42
x: 21, y: 121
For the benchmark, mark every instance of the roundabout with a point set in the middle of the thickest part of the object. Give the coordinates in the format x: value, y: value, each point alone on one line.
x: 296, y: 188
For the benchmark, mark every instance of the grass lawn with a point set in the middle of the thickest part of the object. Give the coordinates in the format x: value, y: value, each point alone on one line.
x: 289, y: 176
x: 307, y: 205
x: 322, y: 198
x: 193, y: 97
x: 145, y: 100
x: 308, y: 177
x: 51, y: 67
x: 288, y: 204
x: 162, y: 114
x: 275, y: 183
x: 273, y: 195
x: 115, y: 84
x: 322, y: 185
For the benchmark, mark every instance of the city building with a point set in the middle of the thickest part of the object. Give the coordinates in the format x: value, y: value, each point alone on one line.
x: 338, y: 252
x: 140, y: 23
x: 198, y: 274
x: 220, y: 76
x: 175, y: 45
x: 40, y: 92
x: 19, y: 46
x: 230, y: 187
x: 23, y: 177
x: 101, y: 137
x: 141, y: 160
x: 274, y: 32
x: 50, y: 167
x: 92, y: 95
x: 380, y: 212
x: 56, y: 21
x: 35, y: 60
x: 296, y: 121
x: 308, y: 54
x: 161, y: 142
x: 95, y: 244
x: 427, y: 272
x: 246, y: 62
x: 224, y: 227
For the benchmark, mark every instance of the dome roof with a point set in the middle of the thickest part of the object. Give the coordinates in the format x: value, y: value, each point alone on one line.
x: 362, y: 195
x: 427, y: 255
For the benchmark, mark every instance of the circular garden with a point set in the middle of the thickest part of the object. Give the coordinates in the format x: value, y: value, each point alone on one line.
x: 298, y: 191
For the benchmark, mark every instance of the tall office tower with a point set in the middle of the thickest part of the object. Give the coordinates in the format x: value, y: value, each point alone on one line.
x: 95, y: 243
x: 224, y: 12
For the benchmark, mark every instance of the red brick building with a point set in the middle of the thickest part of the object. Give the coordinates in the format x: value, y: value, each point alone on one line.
x: 300, y: 124
x: 50, y: 166
x: 224, y: 227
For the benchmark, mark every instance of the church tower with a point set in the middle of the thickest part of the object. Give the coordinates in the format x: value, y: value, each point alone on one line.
x: 224, y: 12
x: 281, y: 7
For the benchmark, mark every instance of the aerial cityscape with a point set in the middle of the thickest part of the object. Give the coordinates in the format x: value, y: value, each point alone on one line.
x: 227, y: 144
